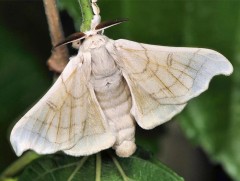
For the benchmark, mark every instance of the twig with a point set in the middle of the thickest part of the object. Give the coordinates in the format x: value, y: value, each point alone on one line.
x: 59, y: 57
x: 87, y: 15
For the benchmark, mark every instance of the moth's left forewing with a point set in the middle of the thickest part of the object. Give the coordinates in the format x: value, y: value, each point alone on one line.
x: 162, y: 79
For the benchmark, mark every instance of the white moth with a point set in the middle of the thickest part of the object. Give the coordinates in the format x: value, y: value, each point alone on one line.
x: 108, y: 87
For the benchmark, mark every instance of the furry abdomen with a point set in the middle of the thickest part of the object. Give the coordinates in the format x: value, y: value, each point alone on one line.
x: 115, y: 100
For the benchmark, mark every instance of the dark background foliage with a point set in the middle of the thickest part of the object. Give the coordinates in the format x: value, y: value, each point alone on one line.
x: 210, y: 122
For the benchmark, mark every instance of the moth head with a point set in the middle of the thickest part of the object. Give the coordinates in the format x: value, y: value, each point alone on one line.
x: 83, y: 36
x: 95, y: 41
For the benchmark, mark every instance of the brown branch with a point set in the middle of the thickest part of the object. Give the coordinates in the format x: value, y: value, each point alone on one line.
x: 59, y: 57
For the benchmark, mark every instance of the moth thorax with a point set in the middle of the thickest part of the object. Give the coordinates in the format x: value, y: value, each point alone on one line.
x: 94, y: 41
x: 103, y: 64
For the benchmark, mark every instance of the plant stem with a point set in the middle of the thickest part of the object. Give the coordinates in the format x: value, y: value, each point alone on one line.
x: 59, y: 58
x: 19, y: 164
x: 87, y: 15
x: 98, y: 166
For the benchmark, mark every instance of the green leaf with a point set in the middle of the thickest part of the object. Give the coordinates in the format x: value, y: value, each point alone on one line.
x: 62, y: 168
x: 212, y: 120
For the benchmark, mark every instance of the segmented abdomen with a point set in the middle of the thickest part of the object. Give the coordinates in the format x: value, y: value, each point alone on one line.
x: 115, y: 100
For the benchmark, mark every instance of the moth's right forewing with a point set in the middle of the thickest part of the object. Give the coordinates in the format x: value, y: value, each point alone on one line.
x: 64, y: 116
x: 43, y: 128
x: 97, y: 134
